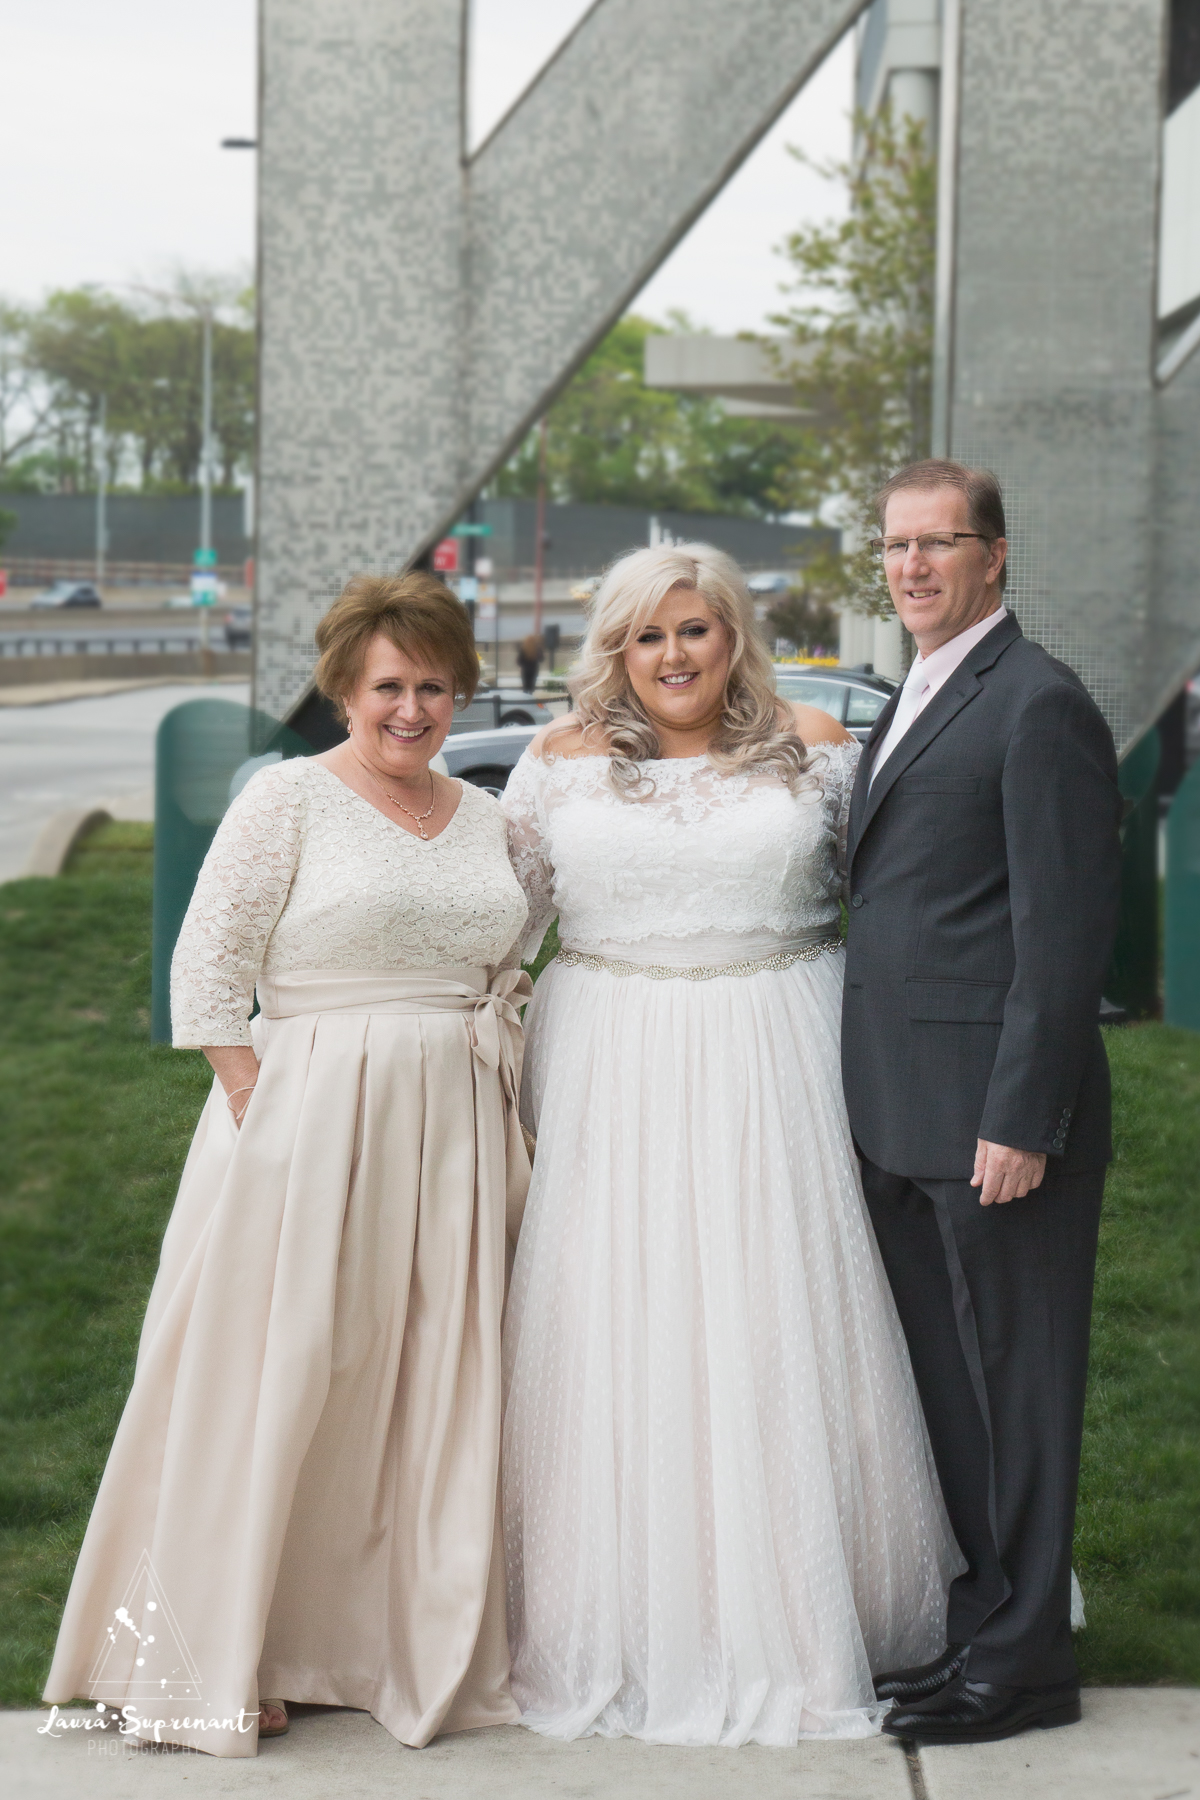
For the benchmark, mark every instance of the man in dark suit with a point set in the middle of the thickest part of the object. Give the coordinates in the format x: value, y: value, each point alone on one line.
x: 984, y: 872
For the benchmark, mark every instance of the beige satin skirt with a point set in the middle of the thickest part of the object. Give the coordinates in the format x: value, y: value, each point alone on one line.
x: 301, y: 1498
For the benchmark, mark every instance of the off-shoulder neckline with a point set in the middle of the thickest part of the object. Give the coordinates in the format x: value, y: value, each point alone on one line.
x: 824, y: 747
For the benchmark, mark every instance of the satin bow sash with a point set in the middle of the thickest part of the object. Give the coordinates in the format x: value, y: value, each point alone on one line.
x: 495, y: 1020
x: 495, y: 1026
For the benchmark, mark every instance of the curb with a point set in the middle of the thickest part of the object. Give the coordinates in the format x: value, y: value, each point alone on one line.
x: 51, y: 693
x: 59, y: 836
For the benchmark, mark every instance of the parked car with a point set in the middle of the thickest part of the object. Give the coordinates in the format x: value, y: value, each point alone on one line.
x: 484, y: 758
x: 494, y: 707
x: 67, y: 593
x: 771, y: 581
x: 855, y: 697
x: 239, y: 628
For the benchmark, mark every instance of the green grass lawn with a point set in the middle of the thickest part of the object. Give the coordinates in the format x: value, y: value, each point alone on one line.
x: 96, y: 1124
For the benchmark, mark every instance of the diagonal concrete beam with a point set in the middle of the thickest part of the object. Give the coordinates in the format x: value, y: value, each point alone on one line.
x: 418, y: 309
x: 611, y: 155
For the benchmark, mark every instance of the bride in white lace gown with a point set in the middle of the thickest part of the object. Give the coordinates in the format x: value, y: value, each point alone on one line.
x: 720, y: 1507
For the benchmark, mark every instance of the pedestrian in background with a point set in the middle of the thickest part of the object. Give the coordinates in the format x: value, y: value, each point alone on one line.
x: 529, y: 660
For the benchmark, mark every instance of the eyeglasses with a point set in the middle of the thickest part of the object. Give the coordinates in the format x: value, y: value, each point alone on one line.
x: 929, y: 544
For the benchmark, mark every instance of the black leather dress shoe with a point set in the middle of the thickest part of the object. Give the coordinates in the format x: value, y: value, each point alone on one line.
x: 975, y: 1712
x: 920, y: 1683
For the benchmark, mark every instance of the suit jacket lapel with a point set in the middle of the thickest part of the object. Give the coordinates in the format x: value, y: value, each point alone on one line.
x: 958, y: 691
x: 858, y: 799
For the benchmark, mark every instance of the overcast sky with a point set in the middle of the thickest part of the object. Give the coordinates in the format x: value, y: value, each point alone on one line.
x: 113, y: 111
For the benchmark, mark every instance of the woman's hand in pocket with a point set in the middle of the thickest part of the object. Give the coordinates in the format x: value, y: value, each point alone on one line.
x: 236, y: 1068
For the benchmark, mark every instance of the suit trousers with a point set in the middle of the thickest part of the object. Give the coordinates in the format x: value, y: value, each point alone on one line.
x: 996, y: 1305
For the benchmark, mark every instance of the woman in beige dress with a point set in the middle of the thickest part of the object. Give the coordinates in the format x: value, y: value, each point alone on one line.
x: 301, y: 1498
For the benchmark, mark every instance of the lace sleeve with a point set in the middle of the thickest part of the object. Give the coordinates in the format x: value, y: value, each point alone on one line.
x: 841, y: 767
x: 239, y: 895
x: 523, y: 806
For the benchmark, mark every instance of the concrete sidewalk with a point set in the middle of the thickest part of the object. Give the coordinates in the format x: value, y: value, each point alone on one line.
x: 1133, y: 1744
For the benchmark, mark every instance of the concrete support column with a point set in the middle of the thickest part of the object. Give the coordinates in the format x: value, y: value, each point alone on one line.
x: 914, y: 95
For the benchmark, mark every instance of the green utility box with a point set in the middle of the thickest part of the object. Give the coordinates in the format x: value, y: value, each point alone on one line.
x: 1182, y: 912
x: 1133, y: 975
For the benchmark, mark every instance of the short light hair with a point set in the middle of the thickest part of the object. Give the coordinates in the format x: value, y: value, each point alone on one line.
x: 985, y: 501
x: 416, y: 612
x: 756, y: 729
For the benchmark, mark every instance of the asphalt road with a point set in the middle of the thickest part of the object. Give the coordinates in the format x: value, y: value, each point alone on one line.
x: 81, y: 753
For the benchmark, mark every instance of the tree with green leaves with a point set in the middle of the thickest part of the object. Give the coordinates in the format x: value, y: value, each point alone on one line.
x: 806, y: 620
x: 612, y: 440
x: 858, y: 347
x: 141, y: 361
x: 24, y: 405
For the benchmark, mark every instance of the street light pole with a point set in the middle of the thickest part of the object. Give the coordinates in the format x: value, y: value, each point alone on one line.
x: 205, y: 555
x: 206, y: 433
x: 539, y: 549
x: 101, y: 495
x: 206, y: 543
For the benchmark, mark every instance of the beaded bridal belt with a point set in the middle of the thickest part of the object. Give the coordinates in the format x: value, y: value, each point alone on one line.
x: 781, y: 959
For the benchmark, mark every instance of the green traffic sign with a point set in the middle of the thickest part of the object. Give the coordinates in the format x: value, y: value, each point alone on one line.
x: 471, y: 529
x: 205, y: 559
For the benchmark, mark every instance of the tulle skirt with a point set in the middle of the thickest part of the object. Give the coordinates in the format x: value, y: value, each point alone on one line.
x: 721, y: 1510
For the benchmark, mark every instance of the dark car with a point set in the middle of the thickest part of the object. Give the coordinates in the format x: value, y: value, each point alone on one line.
x: 67, y: 593
x: 855, y: 697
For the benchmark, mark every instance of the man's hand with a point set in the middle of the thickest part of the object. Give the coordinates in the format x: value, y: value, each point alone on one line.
x: 1006, y: 1174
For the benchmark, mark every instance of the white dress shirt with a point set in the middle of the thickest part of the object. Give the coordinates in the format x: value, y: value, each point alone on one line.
x: 926, y: 676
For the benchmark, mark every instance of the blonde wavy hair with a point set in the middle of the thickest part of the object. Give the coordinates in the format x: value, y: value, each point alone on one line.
x: 756, y: 729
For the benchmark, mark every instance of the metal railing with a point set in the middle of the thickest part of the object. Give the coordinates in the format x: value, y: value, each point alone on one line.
x: 41, y: 571
x: 122, y: 644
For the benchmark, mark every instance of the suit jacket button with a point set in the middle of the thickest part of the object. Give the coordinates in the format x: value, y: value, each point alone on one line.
x: 858, y: 901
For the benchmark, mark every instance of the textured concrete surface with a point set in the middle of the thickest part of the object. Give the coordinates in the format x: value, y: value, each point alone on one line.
x: 1133, y: 1744
x: 1055, y: 253
x: 328, y: 1755
x: 419, y: 307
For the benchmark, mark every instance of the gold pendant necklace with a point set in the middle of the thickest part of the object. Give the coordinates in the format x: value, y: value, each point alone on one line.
x: 417, y: 818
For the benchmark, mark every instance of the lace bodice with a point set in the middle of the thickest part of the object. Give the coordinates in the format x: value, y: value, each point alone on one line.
x: 698, y: 856
x: 305, y: 874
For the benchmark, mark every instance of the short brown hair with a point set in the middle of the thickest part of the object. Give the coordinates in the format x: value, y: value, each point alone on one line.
x: 416, y: 612
x: 985, y: 502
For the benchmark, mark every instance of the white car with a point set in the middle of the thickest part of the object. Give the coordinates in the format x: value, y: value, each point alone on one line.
x: 67, y: 593
x: 771, y: 581
x: 855, y: 697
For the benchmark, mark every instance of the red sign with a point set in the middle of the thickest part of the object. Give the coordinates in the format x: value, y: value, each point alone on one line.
x: 3, y: 583
x: 445, y: 557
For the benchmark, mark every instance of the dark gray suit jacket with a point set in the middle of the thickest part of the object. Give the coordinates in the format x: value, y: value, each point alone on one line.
x: 984, y: 870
